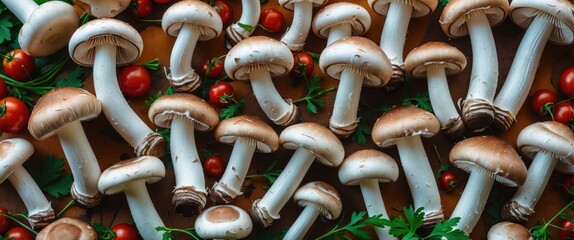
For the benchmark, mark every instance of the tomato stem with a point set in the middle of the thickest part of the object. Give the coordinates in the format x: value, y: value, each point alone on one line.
x: 152, y: 65
x: 70, y: 204
x: 12, y: 217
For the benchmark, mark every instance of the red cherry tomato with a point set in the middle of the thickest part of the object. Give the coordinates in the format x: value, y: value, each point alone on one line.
x: 567, y: 82
x: 448, y: 180
x: 566, y: 234
x: 162, y: 1
x: 15, y: 115
x: 135, y: 81
x: 542, y: 101
x: 224, y: 9
x: 564, y: 112
x: 272, y: 20
x: 4, y: 221
x: 125, y: 231
x: 3, y: 89
x: 214, y: 165
x: 141, y: 8
x: 20, y: 233
x: 218, y: 91
x: 214, y: 66
x: 303, y: 65
x: 18, y: 65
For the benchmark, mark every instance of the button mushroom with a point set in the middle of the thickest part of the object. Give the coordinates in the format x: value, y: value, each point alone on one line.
x: 311, y: 142
x: 131, y: 176
x: 184, y: 113
x: 394, y: 32
x: 546, y: 20
x: 60, y: 112
x: 436, y: 61
x: 548, y: 144
x: 508, y: 231
x: 188, y: 21
x: 223, y: 222
x: 339, y: 20
x: 103, y: 8
x: 367, y: 168
x: 47, y: 28
x: 460, y: 18
x: 487, y: 159
x: 13, y: 153
x: 404, y: 126
x: 258, y: 59
x: 247, y: 134
x: 103, y: 43
x: 242, y: 29
x: 68, y: 229
x: 355, y: 61
x: 316, y: 198
x: 295, y: 37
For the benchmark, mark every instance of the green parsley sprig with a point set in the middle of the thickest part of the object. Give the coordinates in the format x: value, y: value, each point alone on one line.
x: 313, y: 94
x: 50, y: 176
x: 270, y: 174
x: 421, y: 100
x: 364, y: 126
x: 168, y: 233
x: 540, y: 232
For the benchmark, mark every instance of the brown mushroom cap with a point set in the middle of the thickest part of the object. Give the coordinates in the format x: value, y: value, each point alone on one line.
x: 316, y: 139
x: 68, y: 229
x: 368, y: 164
x: 197, y: 13
x: 321, y: 194
x: 120, y: 175
x: 522, y: 12
x: 421, y: 8
x: 103, y: 8
x: 164, y: 109
x: 223, y: 222
x: 339, y: 13
x: 13, y: 153
x: 553, y: 137
x: 434, y: 54
x: 508, y: 231
x: 491, y: 154
x: 453, y: 19
x: 404, y: 121
x: 290, y: 4
x: 229, y: 130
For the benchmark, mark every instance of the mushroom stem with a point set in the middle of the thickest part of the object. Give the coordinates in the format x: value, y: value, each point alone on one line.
x: 346, y: 101
x: 40, y: 210
x: 143, y: 212
x: 339, y: 31
x: 237, y: 168
x: 420, y: 178
x: 250, y: 10
x: 181, y: 55
x: 295, y: 37
x: 521, y: 74
x: 274, y: 106
x: 441, y: 99
x: 375, y: 205
x: 21, y: 8
x: 394, y: 31
x: 303, y: 223
x: 473, y: 199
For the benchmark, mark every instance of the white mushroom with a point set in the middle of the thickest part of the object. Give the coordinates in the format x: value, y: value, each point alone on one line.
x: 295, y: 37
x: 508, y: 231
x: 242, y: 29
x: 103, y: 8
x: 339, y: 20
x: 223, y: 222
x: 68, y: 229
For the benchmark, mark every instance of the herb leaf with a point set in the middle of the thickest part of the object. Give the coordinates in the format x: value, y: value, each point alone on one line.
x: 364, y: 126
x: 443, y: 2
x: 159, y: 94
x: 74, y: 78
x: 50, y: 176
x: 421, y: 100
x: 104, y: 233
x: 247, y: 27
x: 271, y: 173
x: 168, y: 232
x: 5, y: 28
x: 313, y: 94
x: 232, y: 110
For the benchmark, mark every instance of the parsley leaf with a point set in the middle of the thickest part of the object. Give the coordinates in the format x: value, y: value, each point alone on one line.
x: 271, y: 173
x: 168, y: 232
x: 247, y: 27
x: 443, y: 2
x: 104, y: 233
x: 50, y: 176
x: 159, y: 94
x: 313, y: 94
x: 5, y: 26
x: 232, y: 110
x: 356, y: 227
x: 74, y: 78
x: 364, y: 126
x: 421, y: 100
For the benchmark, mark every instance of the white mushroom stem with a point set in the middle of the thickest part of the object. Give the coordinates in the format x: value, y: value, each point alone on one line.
x: 347, y: 99
x: 186, y: 163
x: 375, y: 205
x: 419, y: 175
x: 237, y: 167
x: 287, y: 182
x: 473, y: 199
x: 274, y: 106
x: 250, y: 10
x: 29, y: 192
x: 182, y: 52
x: 21, y: 8
x: 303, y: 223
x: 439, y: 95
x: 143, y: 212
x: 339, y: 31
x: 523, y: 69
x: 394, y: 31
x: 295, y: 37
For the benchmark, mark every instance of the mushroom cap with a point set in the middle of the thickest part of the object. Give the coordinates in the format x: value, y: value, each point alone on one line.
x: 197, y: 13
x: 421, y: 8
x: 522, y: 12
x: 103, y: 8
x: 339, y: 13
x: 48, y: 29
x: 223, y: 222
x: 359, y: 55
x: 13, y: 153
x: 261, y: 52
x: 85, y: 40
x: 368, y: 164
x: 290, y: 4
x: 163, y: 110
x: 491, y: 154
x: 59, y: 107
x: 454, y: 16
x: 432, y: 55
x: 322, y: 194
x: 404, y: 121
x: 508, y: 231
x: 553, y: 137
x: 315, y: 138
x: 120, y: 175
x: 68, y: 229
x: 229, y: 130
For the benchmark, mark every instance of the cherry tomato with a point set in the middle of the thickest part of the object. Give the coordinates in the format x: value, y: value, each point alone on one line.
x: 448, y: 180
x: 3, y: 89
x: 224, y: 9
x: 125, y: 231
x: 214, y: 166
x: 303, y: 64
x: 218, y: 91
x: 542, y: 101
x: 162, y: 1
x: 215, y: 67
x: 14, y: 115
x: 4, y: 221
x: 272, y: 20
x: 568, y: 185
x: 564, y: 112
x: 20, y: 233
x: 135, y: 81
x: 18, y: 65
x: 141, y: 8
x: 567, y: 82
x: 566, y: 234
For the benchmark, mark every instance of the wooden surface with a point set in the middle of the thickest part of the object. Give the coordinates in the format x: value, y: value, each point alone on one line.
x: 396, y: 195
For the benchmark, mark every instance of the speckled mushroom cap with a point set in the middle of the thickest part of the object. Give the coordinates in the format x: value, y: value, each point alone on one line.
x: 404, y: 121
x: 229, y: 130
x: 368, y: 164
x: 315, y: 138
x: 197, y: 13
x: 258, y: 52
x: 68, y: 229
x: 432, y: 55
x: 13, y: 153
x: 339, y: 13
x: 223, y: 222
x: 289, y: 4
x: 119, y: 176
x: 508, y: 231
x: 553, y: 137
x: 163, y: 110
x: 103, y: 8
x: 59, y: 107
x: 454, y: 16
x: 522, y: 12
x: 421, y: 8
x: 491, y: 154
x: 83, y: 43
x: 323, y: 195
x: 359, y: 55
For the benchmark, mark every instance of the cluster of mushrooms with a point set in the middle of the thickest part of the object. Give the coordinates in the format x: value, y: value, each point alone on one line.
x: 106, y: 43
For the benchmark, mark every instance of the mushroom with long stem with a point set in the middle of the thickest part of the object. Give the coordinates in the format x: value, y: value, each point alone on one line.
x: 339, y: 20
x: 223, y: 222
x: 295, y: 37
x: 103, y: 8
x: 242, y: 29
